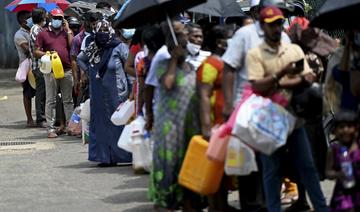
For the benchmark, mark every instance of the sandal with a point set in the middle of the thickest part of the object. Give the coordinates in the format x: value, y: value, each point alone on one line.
x: 52, y: 135
x: 60, y: 131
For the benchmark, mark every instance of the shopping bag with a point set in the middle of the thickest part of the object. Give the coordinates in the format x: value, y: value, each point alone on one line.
x: 85, y: 111
x: 263, y: 124
x: 23, y: 70
x: 240, y: 158
x: 217, y: 145
x: 74, y: 125
x: 123, y: 113
x: 124, y: 141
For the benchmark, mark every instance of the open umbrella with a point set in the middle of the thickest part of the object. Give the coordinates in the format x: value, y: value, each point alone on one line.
x: 220, y: 8
x: 78, y: 8
x: 29, y: 5
x: 139, y: 12
x: 335, y: 14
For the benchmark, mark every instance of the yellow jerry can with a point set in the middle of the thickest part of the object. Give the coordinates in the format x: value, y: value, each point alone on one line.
x: 198, y: 173
x: 57, y: 66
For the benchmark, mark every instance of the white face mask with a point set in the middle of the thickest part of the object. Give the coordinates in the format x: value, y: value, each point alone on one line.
x: 192, y: 48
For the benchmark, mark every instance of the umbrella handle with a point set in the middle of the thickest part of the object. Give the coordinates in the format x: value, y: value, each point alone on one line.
x: 172, y: 30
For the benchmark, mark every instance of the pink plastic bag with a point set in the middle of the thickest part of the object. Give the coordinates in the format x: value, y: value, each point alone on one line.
x: 217, y: 145
x: 248, y: 91
x: 23, y: 70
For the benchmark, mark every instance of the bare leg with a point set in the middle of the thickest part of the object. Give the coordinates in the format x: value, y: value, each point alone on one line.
x: 27, y: 106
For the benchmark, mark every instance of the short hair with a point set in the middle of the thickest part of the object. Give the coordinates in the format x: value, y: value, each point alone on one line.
x: 38, y: 15
x: 103, y: 5
x: 345, y: 116
x: 192, y: 26
x: 217, y: 32
x: 91, y: 16
x: 153, y: 37
x: 21, y: 16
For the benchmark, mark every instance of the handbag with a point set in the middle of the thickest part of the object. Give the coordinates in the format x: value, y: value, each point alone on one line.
x: 240, y: 158
x: 307, y: 102
x: 263, y: 124
x: 123, y: 113
x: 23, y: 70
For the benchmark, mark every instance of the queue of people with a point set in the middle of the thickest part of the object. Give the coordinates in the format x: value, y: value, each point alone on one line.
x: 191, y: 88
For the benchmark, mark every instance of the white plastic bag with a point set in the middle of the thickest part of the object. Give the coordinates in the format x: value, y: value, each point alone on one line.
x: 23, y: 70
x: 263, y: 124
x: 123, y: 113
x: 240, y: 159
x: 85, y: 111
x: 125, y: 139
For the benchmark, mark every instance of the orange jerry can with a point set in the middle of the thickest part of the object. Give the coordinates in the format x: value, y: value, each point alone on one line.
x: 198, y: 173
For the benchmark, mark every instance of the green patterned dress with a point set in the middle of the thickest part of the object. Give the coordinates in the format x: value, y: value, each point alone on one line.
x: 176, y: 121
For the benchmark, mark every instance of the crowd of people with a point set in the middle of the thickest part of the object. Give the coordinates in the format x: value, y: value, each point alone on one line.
x: 187, y: 89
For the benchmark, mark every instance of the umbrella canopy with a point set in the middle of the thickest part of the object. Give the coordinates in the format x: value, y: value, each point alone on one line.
x: 220, y: 8
x: 335, y: 14
x: 140, y: 12
x: 29, y: 5
x: 78, y: 8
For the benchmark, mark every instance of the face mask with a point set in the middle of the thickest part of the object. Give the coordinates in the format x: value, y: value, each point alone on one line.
x: 29, y: 23
x: 101, y: 38
x: 56, y: 23
x: 44, y: 23
x: 128, y: 33
x: 357, y: 39
x: 192, y: 48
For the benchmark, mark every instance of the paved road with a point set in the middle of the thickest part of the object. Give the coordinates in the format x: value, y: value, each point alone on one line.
x: 54, y: 175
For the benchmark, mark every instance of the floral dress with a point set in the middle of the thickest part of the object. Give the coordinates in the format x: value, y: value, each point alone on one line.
x: 175, y: 122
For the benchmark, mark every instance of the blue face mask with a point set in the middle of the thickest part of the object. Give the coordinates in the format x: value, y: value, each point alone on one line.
x: 29, y: 22
x: 357, y: 39
x: 56, y: 23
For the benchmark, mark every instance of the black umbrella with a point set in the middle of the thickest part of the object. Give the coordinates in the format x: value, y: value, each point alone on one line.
x: 136, y: 13
x: 78, y: 8
x: 338, y: 14
x: 220, y: 8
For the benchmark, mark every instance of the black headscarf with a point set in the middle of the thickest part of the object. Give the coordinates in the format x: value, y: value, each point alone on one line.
x: 99, y: 55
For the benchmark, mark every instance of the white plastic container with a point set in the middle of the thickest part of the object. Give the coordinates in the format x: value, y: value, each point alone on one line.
x: 140, y: 145
x: 124, y: 141
x: 123, y: 113
x: 45, y: 67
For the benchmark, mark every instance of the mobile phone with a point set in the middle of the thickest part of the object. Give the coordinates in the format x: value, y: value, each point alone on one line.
x: 300, y: 64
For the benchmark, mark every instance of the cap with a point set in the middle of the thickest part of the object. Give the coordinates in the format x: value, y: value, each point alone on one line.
x: 57, y: 12
x: 270, y: 14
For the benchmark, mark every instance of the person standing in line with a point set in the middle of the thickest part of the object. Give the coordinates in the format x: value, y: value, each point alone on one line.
x: 209, y: 78
x: 57, y: 37
x: 234, y: 81
x: 38, y: 17
x: 271, y: 69
x: 22, y: 42
x: 103, y: 61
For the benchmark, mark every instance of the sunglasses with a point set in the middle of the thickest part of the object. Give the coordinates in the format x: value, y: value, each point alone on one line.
x: 58, y: 18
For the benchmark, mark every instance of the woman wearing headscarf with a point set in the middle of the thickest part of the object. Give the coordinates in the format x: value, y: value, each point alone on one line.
x: 103, y: 61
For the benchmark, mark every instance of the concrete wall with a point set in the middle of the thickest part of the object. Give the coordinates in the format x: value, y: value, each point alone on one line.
x: 8, y: 27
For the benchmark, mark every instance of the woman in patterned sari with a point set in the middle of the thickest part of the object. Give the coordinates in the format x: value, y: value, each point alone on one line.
x: 174, y: 125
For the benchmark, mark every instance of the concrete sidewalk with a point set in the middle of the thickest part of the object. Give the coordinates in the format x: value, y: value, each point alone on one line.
x: 54, y: 175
